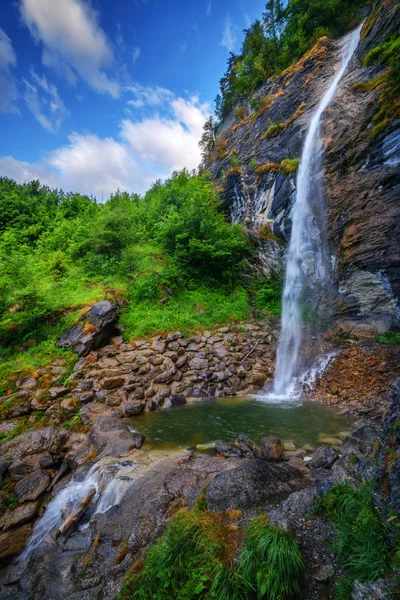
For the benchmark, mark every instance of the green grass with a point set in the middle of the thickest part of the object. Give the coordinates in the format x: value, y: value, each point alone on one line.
x: 360, y: 544
x: 195, y: 560
x: 186, y: 311
x: 389, y: 338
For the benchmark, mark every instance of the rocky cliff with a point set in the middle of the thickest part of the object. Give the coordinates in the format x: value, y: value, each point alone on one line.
x: 256, y: 154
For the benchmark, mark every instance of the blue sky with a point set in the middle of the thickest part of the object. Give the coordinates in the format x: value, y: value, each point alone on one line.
x: 101, y: 94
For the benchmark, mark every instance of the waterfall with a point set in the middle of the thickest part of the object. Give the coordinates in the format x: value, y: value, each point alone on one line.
x: 108, y: 493
x: 300, y: 252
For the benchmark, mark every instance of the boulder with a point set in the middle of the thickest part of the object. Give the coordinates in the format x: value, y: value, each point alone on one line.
x: 271, y: 448
x: 31, y: 486
x: 130, y: 409
x: 13, y: 542
x: 111, y: 383
x: 324, y: 457
x: 18, y: 516
x: 177, y: 400
x: 112, y: 437
x: 103, y: 316
x: 378, y: 590
x: 226, y: 449
x: 253, y: 484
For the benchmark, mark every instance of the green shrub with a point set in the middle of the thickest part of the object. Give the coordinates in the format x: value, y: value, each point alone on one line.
x: 271, y: 562
x: 389, y: 338
x: 268, y: 295
x: 360, y: 543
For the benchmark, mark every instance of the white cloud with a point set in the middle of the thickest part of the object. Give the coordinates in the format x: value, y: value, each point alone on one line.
x: 229, y: 38
x: 135, y: 54
x: 147, y: 150
x: 8, y: 85
x: 208, y: 9
x: 148, y: 95
x: 171, y: 142
x: 44, y: 102
x: 73, y: 41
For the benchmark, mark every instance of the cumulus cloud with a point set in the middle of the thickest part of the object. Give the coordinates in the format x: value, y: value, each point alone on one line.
x: 8, y: 85
x: 229, y: 38
x: 44, y: 102
x: 145, y: 150
x: 73, y: 41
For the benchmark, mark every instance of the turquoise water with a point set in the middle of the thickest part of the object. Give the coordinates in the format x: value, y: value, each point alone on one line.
x: 226, y: 418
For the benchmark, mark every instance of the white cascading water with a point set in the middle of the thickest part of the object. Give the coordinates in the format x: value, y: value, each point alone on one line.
x: 108, y: 494
x: 301, y: 243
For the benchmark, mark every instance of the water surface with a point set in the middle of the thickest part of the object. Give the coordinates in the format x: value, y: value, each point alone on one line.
x: 226, y: 418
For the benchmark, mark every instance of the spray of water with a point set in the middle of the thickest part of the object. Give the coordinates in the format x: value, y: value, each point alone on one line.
x: 308, y: 185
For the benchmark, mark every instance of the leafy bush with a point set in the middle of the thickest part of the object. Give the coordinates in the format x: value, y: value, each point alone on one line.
x: 268, y: 295
x: 389, y: 338
x: 360, y: 543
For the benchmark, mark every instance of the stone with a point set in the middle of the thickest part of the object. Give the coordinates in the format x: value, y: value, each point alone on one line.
x: 289, y: 446
x: 31, y: 486
x: 57, y: 392
x: 257, y: 379
x: 177, y: 400
x: 130, y: 409
x: 27, y: 383
x: 112, y: 437
x: 181, y: 361
x: 103, y: 316
x: 378, y: 590
x: 35, y: 441
x: 14, y: 541
x: 225, y: 449
x: 198, y: 364
x: 19, y: 515
x: 323, y: 457
x: 46, y: 461
x: 111, y: 383
x: 159, y: 347
x: 220, y: 352
x: 271, y: 448
x: 156, y: 360
x: 253, y: 484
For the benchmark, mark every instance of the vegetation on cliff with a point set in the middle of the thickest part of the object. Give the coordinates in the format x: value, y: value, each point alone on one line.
x: 287, y: 29
x: 170, y: 257
x: 195, y: 560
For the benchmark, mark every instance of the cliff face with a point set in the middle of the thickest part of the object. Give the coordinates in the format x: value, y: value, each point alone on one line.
x: 254, y: 163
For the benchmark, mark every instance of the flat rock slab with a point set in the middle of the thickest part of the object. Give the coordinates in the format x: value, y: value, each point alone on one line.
x: 13, y: 542
x: 253, y: 484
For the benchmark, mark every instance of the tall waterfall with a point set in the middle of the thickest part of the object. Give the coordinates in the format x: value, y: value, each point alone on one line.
x: 309, y: 191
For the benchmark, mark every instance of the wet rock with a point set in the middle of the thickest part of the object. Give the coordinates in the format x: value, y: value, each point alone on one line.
x: 18, y: 516
x: 31, y: 486
x: 323, y: 457
x: 271, y: 448
x: 178, y: 400
x: 247, y: 447
x: 13, y: 542
x: 112, y: 437
x: 226, y: 449
x: 130, y: 409
x: 252, y: 484
x: 379, y: 590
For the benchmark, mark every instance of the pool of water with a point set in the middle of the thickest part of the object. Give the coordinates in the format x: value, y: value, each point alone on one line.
x: 225, y: 418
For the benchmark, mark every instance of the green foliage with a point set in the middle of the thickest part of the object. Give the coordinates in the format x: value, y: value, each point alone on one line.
x: 194, y: 560
x: 289, y: 166
x: 12, y: 501
x: 271, y: 562
x: 59, y: 253
x: 388, y: 83
x: 389, y: 338
x: 360, y: 544
x: 268, y: 295
x: 288, y: 29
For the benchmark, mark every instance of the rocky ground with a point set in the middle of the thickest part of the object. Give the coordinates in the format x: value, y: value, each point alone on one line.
x: 60, y: 427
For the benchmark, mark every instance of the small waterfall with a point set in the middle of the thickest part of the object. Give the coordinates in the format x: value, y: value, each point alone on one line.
x: 300, y: 252
x: 107, y: 494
